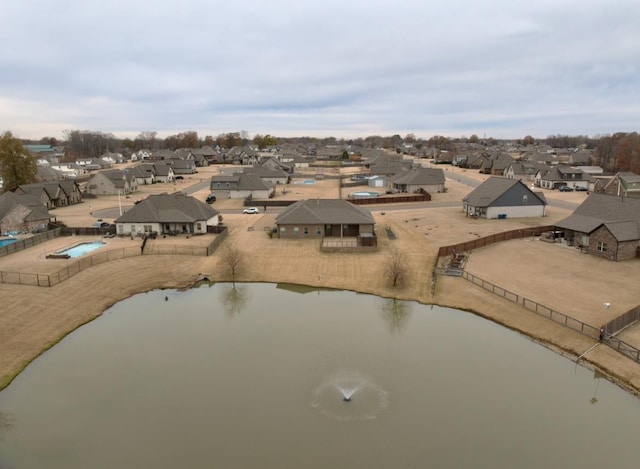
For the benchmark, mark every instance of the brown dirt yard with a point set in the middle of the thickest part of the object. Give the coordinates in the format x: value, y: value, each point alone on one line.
x: 32, y: 319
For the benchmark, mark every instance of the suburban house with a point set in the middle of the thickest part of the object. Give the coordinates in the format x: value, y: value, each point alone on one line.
x: 429, y: 180
x: 552, y: 177
x: 240, y: 186
x: 22, y: 213
x: 183, y: 166
x: 113, y: 158
x: 46, y: 174
x: 499, y: 197
x: 276, y: 165
x: 605, y: 226
x: 112, y: 182
x: 70, y: 170
x: 496, y: 164
x: 273, y: 176
x: 324, y: 218
x: 522, y: 170
x: 162, y: 172
x: 624, y: 184
x: 53, y: 194
x: 143, y: 176
x: 170, y: 214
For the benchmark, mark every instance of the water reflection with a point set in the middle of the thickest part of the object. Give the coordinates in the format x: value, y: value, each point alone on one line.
x: 234, y: 299
x: 5, y: 423
x: 396, y: 314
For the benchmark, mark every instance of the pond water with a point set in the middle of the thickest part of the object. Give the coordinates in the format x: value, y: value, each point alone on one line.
x: 277, y: 376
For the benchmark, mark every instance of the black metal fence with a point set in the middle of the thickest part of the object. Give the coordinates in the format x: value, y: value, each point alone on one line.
x: 31, y: 241
x: 83, y: 263
x: 535, y: 307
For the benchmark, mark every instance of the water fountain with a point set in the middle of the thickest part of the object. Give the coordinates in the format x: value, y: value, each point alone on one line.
x: 347, y: 393
x: 366, y: 398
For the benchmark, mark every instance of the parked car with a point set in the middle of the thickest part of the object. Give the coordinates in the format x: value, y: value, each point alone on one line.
x: 211, y: 198
x: 251, y: 210
x: 581, y: 189
x: 179, y: 178
x: 101, y: 224
x: 565, y: 189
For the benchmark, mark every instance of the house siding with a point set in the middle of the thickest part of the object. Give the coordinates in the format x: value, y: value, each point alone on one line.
x: 516, y: 212
x: 616, y: 251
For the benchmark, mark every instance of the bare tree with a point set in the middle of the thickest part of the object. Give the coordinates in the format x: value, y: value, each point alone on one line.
x: 233, y: 258
x: 395, y: 267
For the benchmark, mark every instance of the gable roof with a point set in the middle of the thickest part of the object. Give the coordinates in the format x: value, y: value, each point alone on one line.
x: 494, y: 187
x: 324, y: 211
x: 168, y: 208
x: 10, y: 200
x: 419, y: 176
x: 599, y: 209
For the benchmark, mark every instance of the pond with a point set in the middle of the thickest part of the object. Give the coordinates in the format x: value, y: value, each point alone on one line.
x: 263, y: 375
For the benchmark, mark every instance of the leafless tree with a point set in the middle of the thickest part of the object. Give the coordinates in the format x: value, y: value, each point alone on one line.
x: 233, y: 259
x: 395, y: 267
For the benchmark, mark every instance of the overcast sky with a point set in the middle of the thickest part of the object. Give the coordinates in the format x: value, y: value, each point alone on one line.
x: 347, y: 68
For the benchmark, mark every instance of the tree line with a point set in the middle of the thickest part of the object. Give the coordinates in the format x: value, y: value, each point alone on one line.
x: 617, y: 152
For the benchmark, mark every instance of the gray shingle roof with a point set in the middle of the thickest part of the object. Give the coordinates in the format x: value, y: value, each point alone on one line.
x: 419, y: 176
x: 168, y: 208
x: 487, y: 192
x: 324, y: 211
x: 599, y: 209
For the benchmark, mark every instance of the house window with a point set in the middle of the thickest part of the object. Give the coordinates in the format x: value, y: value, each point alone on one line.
x: 306, y: 231
x: 199, y: 226
x: 525, y: 199
x: 319, y: 231
x: 602, y: 247
x: 283, y: 230
x: 296, y: 230
x: 147, y: 229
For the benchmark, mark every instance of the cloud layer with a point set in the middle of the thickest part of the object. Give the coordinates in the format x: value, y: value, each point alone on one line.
x: 310, y: 67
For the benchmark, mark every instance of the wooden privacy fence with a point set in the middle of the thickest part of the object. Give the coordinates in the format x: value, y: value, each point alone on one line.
x: 83, y: 263
x: 535, y: 307
x: 622, y: 321
x: 491, y: 239
x: 391, y: 199
x: 616, y: 325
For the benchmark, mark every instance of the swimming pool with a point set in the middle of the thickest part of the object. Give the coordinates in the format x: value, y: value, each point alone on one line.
x: 82, y: 249
x: 364, y: 195
x: 5, y: 242
x: 309, y: 181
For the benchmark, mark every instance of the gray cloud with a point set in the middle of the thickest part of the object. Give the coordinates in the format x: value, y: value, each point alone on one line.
x: 349, y: 68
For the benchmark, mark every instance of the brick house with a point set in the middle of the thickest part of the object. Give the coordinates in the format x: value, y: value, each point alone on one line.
x: 605, y: 226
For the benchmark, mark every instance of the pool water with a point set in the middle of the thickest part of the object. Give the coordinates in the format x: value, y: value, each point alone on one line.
x: 309, y: 181
x: 82, y: 249
x: 6, y: 242
x: 364, y: 194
